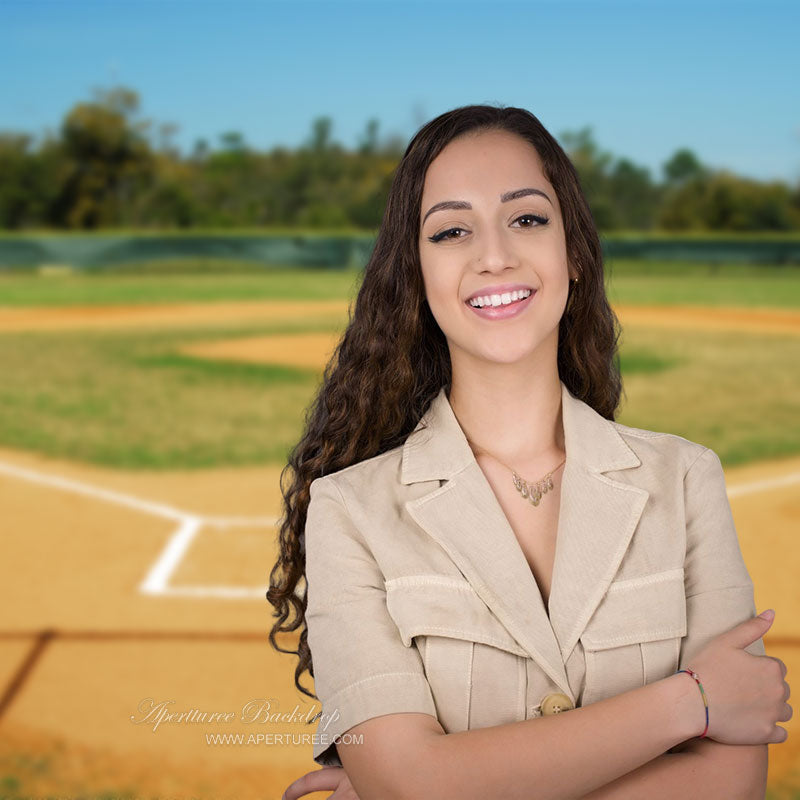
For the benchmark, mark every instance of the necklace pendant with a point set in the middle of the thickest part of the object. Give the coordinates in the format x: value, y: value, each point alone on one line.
x: 532, y: 491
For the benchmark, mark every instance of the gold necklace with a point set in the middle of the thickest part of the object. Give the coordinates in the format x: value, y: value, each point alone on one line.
x: 530, y: 491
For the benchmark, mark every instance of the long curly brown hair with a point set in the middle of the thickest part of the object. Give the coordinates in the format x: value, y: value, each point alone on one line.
x: 393, y: 358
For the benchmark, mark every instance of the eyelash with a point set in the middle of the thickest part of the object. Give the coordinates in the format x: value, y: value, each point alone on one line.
x: 540, y: 218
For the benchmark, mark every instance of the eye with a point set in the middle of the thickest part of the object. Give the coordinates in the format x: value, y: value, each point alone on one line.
x: 445, y: 235
x: 540, y: 219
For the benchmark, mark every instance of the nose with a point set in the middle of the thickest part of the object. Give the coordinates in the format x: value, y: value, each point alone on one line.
x: 494, y: 250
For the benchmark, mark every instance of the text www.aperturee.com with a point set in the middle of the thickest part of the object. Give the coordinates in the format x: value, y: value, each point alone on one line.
x: 281, y: 739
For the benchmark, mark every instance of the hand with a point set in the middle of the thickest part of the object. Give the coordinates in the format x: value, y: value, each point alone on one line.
x: 747, y: 694
x: 322, y: 780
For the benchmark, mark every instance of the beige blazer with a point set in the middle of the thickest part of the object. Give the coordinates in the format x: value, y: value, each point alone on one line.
x: 420, y: 597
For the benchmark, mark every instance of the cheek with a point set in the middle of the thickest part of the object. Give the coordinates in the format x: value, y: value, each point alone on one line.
x: 440, y: 289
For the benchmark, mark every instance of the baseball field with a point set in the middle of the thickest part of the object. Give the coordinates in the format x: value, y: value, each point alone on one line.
x: 144, y: 420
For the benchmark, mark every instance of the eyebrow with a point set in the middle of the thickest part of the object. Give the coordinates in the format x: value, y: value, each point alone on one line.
x: 460, y: 205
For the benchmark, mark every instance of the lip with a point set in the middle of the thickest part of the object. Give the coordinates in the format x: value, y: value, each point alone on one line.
x: 498, y: 289
x: 503, y: 312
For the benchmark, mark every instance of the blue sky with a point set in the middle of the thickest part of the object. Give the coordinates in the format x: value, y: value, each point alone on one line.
x: 720, y: 77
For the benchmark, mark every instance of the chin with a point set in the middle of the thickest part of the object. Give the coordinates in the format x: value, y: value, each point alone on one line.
x: 506, y: 356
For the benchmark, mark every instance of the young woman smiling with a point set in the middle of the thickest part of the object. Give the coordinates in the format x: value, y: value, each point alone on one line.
x: 508, y: 593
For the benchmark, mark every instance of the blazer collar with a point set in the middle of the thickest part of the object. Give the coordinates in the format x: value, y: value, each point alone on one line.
x: 597, y: 517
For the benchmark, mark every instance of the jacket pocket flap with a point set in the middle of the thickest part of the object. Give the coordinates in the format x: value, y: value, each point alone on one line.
x: 436, y: 605
x: 636, y: 610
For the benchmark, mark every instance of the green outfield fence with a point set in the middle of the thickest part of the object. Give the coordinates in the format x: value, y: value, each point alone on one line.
x: 106, y: 250
x: 102, y: 250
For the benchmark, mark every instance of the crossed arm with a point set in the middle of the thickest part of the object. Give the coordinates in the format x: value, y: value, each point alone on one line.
x: 698, y: 768
x: 695, y: 769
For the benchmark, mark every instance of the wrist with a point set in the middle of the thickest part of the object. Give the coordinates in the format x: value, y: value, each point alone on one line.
x: 688, y: 718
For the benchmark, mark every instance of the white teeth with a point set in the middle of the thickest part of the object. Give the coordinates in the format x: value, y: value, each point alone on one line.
x: 499, y: 299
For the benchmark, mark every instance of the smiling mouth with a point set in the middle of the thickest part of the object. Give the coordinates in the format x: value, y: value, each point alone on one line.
x: 499, y: 300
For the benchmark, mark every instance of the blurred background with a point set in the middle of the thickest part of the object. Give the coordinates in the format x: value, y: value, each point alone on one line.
x: 188, y: 194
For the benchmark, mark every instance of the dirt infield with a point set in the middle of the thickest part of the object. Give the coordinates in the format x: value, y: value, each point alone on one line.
x: 42, y: 318
x: 176, y: 314
x: 130, y: 586
x: 91, y: 539
x: 114, y: 645
x: 303, y: 350
x: 749, y: 320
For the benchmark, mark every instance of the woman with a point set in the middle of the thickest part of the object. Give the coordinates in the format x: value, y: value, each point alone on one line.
x: 483, y: 545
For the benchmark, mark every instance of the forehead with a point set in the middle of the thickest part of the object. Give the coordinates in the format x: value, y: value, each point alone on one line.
x: 489, y: 161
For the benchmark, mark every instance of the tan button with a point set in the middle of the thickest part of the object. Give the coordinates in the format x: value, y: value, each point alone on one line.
x: 556, y: 703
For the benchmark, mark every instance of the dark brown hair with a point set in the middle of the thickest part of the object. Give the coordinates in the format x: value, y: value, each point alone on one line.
x: 393, y: 358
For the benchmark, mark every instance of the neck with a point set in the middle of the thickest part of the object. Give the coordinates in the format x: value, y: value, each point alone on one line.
x: 517, y: 421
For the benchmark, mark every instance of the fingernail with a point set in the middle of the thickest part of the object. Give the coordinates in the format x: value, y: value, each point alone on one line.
x: 768, y: 614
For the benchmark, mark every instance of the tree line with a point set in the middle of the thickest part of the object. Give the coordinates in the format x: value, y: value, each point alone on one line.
x: 106, y: 167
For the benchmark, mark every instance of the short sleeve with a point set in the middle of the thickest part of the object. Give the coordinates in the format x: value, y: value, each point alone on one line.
x: 362, y: 669
x: 719, y: 590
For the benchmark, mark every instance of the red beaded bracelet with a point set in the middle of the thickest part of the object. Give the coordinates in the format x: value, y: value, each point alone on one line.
x: 694, y: 675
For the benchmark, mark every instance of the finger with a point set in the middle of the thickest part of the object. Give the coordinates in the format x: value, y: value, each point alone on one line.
x: 780, y: 664
x: 320, y: 780
x: 778, y: 735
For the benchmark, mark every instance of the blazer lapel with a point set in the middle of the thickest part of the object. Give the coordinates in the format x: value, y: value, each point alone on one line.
x: 597, y: 517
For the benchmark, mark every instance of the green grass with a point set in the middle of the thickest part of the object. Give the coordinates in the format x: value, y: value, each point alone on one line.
x: 677, y: 283
x: 25, y: 289
x: 634, y: 360
x: 735, y: 392
x: 180, y: 281
x: 130, y: 400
